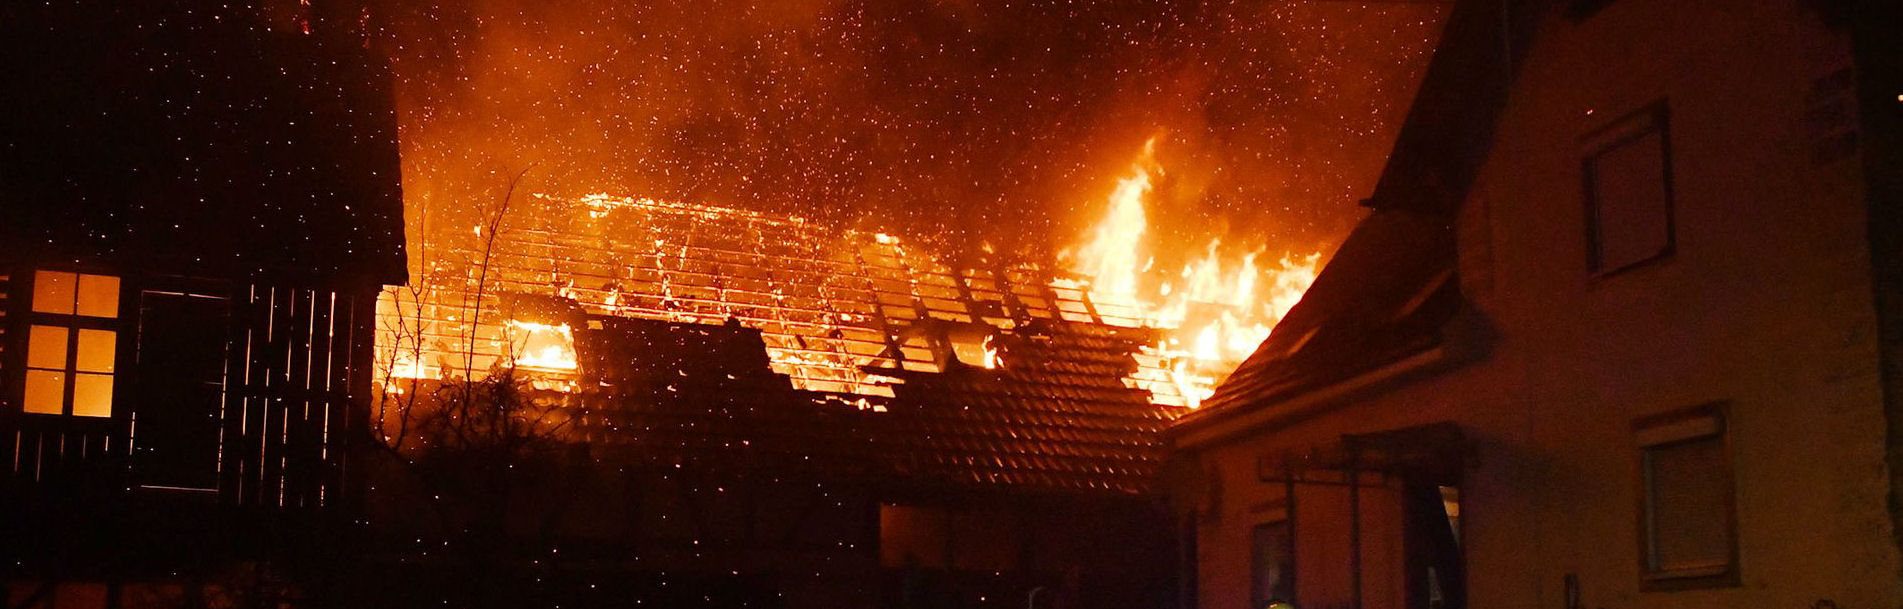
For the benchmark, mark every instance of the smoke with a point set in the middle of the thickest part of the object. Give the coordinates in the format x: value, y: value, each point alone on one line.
x: 1005, y: 121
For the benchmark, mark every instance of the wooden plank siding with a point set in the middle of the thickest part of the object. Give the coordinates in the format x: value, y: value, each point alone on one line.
x: 297, y: 386
x: 296, y: 366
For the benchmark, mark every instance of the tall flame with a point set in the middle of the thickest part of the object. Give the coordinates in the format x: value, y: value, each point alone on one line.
x: 1112, y: 256
x: 1213, y: 313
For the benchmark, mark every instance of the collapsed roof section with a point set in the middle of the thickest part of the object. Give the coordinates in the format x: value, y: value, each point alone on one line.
x: 1058, y: 418
x: 976, y: 371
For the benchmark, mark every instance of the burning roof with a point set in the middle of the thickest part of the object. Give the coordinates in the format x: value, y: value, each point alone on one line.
x: 987, y: 369
x: 837, y: 309
x: 974, y: 368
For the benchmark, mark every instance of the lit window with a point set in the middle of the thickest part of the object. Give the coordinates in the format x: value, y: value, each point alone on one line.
x: 543, y: 346
x: 1688, y: 536
x: 72, y: 344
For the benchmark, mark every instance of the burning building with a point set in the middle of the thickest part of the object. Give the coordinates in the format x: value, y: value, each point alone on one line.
x: 947, y: 405
x: 675, y: 399
x: 843, y: 316
x: 833, y: 305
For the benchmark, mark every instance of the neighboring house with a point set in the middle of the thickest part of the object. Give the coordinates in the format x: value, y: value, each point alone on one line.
x: 1621, y: 331
x: 768, y: 410
x: 197, y: 211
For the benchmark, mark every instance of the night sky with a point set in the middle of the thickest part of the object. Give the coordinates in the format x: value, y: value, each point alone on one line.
x: 956, y: 120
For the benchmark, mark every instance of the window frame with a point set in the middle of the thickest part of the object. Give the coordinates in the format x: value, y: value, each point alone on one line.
x: 1653, y: 118
x: 528, y: 316
x: 1702, y: 422
x: 1287, y: 524
x: 72, y: 323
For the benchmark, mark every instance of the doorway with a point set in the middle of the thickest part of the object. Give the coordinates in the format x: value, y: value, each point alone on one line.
x: 1436, y: 575
x: 178, y: 417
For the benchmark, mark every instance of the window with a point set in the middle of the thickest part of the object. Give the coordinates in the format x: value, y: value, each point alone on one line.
x: 1687, y: 523
x: 1581, y: 10
x: 540, y: 346
x: 914, y: 535
x: 1628, y: 183
x: 540, y: 333
x: 1272, y: 569
x: 72, y: 344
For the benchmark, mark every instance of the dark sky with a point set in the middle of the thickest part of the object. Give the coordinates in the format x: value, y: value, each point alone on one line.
x: 1003, y: 120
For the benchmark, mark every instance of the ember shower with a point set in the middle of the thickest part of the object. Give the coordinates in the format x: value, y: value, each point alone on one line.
x: 1004, y: 126
x: 925, y: 118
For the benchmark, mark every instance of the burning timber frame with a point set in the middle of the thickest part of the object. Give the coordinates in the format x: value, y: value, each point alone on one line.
x: 837, y: 310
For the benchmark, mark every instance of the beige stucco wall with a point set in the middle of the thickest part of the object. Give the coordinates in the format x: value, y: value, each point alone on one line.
x: 1765, y: 305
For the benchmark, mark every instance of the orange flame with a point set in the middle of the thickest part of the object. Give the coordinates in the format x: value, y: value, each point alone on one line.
x: 543, y: 346
x: 1213, y: 313
x: 1114, y: 256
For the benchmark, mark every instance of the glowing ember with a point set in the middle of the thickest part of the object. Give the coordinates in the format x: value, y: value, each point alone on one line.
x: 406, y: 366
x: 1214, y: 312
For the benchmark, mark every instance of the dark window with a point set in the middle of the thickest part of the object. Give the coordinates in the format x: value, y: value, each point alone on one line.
x: 1628, y: 185
x: 939, y: 538
x: 1581, y: 10
x: 1272, y: 572
x: 72, y: 344
x: 912, y: 535
x: 1688, y: 535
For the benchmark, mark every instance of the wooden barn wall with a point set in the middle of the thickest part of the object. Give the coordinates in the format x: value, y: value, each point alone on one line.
x: 299, y: 355
x: 297, y: 364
